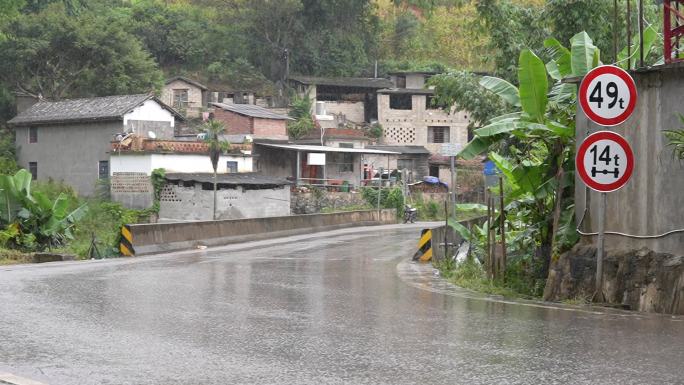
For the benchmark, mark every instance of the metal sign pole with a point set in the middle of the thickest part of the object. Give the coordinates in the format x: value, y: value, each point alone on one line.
x: 598, y: 294
x: 453, y: 184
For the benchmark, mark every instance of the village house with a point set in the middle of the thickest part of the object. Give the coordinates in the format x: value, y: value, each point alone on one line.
x: 353, y: 100
x: 187, y: 96
x: 69, y: 140
x: 248, y: 119
x: 330, y: 167
x: 408, y: 116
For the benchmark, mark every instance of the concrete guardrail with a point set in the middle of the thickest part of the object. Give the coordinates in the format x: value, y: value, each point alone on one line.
x: 141, y: 239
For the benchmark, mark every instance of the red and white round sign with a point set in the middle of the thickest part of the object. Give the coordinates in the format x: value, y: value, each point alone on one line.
x: 608, y: 95
x: 604, y: 161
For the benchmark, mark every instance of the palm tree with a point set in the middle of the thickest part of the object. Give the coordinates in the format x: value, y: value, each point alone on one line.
x: 214, y: 128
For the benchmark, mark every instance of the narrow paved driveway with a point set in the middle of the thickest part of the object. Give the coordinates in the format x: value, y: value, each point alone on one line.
x: 330, y: 308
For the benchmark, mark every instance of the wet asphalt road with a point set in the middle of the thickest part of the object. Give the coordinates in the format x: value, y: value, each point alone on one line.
x: 333, y: 309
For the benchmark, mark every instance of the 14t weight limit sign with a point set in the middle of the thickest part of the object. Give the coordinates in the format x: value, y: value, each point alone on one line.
x: 608, y: 95
x: 605, y: 161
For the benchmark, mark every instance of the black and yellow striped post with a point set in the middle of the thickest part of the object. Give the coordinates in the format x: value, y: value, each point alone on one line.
x: 424, y: 252
x: 126, y: 243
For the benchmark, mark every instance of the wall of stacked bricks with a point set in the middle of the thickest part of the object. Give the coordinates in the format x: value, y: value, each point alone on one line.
x: 269, y: 128
x: 236, y: 124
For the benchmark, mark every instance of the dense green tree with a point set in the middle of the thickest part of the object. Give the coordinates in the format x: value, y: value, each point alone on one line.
x: 57, y: 55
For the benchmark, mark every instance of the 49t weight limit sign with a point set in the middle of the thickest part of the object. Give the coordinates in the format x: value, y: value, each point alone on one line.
x: 608, y: 95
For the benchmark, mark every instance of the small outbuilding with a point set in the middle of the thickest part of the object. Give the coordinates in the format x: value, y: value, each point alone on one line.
x: 259, y: 122
x: 190, y: 196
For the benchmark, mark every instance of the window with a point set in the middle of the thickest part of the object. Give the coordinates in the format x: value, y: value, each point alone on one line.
x: 180, y: 99
x: 401, y: 102
x: 103, y: 169
x: 33, y: 169
x: 346, y: 145
x: 33, y: 134
x: 429, y: 103
x: 231, y: 166
x: 438, y: 134
x: 345, y: 162
x: 405, y: 164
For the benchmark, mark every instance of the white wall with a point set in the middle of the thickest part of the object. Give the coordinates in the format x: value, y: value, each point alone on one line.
x: 150, y: 111
x: 175, y: 163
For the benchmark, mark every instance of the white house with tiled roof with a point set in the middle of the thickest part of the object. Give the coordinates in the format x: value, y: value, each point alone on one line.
x: 69, y: 140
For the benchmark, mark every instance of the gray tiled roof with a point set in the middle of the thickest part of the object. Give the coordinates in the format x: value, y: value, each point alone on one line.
x: 106, y: 108
x: 229, y: 179
x: 251, y: 110
x: 344, y: 82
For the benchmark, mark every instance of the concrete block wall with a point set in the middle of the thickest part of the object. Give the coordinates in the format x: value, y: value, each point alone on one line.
x: 162, y: 237
x: 195, y: 204
x: 410, y: 127
x: 353, y: 111
x: 132, y: 189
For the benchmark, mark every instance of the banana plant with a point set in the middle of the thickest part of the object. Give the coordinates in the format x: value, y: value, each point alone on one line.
x: 538, y: 168
x: 50, y: 222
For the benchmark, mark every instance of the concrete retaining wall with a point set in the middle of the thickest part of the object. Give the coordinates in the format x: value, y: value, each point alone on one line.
x: 162, y: 237
x: 651, y: 202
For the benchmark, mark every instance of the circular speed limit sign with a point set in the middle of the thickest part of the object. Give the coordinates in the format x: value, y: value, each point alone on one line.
x: 608, y: 95
x: 604, y: 161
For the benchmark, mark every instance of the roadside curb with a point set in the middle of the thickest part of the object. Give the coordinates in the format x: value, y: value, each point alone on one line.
x: 425, y: 277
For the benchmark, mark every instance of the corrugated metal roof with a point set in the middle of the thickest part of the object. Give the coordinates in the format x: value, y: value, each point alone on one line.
x: 228, y: 179
x: 344, y: 82
x: 311, y: 148
x: 251, y: 110
x: 402, y: 149
x: 105, y: 108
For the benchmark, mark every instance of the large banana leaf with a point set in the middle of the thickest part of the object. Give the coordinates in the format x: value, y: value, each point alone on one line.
x: 583, y: 54
x: 502, y: 88
x: 14, y: 190
x: 533, y: 85
x: 499, y: 127
x: 650, y: 36
x: 560, y: 66
x: 505, y: 166
x: 475, y: 147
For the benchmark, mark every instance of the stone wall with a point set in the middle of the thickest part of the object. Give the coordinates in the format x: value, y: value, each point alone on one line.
x: 314, y: 202
x: 640, y: 280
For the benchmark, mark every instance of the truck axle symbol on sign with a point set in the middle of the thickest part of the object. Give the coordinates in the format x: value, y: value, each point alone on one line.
x: 605, y: 161
x: 608, y: 95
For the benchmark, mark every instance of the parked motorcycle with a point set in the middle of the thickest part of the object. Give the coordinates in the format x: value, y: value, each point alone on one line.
x: 410, y: 214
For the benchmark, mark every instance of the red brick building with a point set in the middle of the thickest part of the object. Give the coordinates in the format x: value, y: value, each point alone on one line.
x: 248, y: 119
